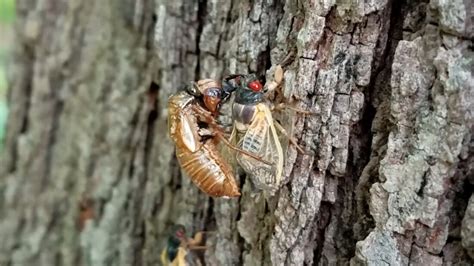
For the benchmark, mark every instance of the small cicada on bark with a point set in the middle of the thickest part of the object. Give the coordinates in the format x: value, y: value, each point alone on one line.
x: 179, y: 249
x: 193, y: 128
x: 255, y: 131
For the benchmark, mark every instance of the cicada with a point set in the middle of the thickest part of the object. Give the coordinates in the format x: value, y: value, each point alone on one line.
x: 179, y: 248
x: 255, y: 131
x: 192, y: 127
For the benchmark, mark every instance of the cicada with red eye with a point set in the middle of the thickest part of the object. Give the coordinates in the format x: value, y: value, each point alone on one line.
x: 255, y: 131
x: 179, y: 250
x: 193, y: 128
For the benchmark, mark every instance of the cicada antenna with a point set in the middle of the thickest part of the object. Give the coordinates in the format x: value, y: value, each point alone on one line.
x: 233, y: 76
x: 289, y: 58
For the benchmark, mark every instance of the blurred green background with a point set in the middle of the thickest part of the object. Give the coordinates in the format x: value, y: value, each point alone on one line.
x: 7, y: 16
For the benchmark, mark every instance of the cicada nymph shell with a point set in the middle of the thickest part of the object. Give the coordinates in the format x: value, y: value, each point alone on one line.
x: 196, y: 148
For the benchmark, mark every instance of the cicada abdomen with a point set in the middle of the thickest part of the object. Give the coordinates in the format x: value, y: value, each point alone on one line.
x: 195, y: 144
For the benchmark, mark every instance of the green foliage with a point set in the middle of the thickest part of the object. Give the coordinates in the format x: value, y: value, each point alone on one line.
x: 7, y: 11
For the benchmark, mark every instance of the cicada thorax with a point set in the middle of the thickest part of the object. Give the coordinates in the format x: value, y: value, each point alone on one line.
x: 198, y: 154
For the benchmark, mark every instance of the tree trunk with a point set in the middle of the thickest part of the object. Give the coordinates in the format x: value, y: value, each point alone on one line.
x: 89, y: 176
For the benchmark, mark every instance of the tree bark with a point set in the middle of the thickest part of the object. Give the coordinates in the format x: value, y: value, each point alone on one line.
x: 89, y: 176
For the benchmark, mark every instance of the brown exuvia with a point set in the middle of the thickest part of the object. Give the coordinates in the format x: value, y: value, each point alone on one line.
x: 192, y: 127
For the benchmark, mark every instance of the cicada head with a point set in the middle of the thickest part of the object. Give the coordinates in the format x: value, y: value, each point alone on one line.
x: 251, y: 82
x: 212, y: 99
x: 255, y: 86
x: 210, y: 91
x: 229, y: 85
x: 177, y: 234
x: 250, y: 91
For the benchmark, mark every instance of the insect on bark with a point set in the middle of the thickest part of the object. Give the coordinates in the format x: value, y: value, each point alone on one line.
x: 192, y: 127
x: 179, y: 250
x: 255, y: 131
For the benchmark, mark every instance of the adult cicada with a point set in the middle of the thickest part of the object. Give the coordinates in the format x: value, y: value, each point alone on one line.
x: 179, y: 249
x: 192, y: 127
x: 255, y: 131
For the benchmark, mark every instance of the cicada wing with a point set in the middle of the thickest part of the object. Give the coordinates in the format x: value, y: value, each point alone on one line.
x: 273, y: 147
x: 164, y: 257
x: 186, y: 258
x: 261, y: 139
x: 252, y: 141
x: 227, y: 153
x: 286, y: 118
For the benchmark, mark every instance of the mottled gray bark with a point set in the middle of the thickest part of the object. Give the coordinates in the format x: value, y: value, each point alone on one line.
x: 89, y: 175
x: 73, y: 171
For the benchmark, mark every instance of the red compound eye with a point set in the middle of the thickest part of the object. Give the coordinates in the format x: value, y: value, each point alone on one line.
x: 255, y: 86
x: 180, y: 233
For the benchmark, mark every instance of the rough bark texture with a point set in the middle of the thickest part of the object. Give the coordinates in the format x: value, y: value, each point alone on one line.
x: 89, y: 175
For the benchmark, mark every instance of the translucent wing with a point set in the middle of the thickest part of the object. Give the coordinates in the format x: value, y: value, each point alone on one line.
x: 226, y: 122
x: 164, y: 257
x: 262, y: 140
x: 227, y: 153
x: 286, y: 118
x: 186, y: 258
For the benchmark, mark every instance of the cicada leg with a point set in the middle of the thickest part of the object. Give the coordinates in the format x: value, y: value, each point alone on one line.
x: 276, y: 83
x: 282, y: 106
x: 289, y: 58
x: 208, y: 118
x: 290, y: 138
x: 277, y: 79
x: 197, y: 240
x: 197, y: 247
